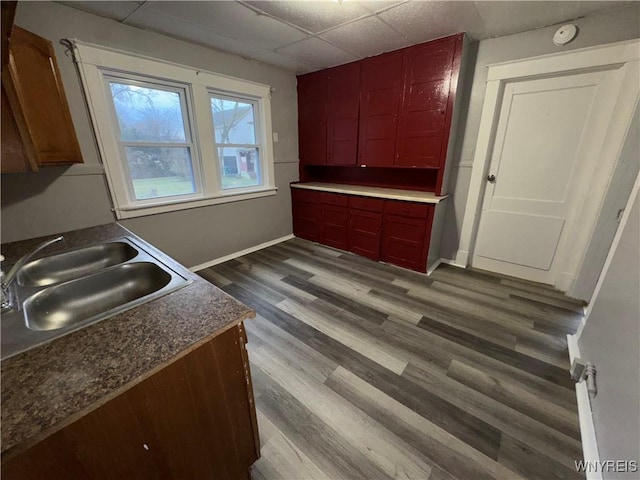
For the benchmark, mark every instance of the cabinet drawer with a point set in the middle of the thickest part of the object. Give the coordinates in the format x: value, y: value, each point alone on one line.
x: 406, y: 209
x: 311, y: 196
x: 334, y: 199
x: 366, y: 203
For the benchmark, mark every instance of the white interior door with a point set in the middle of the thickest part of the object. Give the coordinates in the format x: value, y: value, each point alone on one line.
x: 543, y: 159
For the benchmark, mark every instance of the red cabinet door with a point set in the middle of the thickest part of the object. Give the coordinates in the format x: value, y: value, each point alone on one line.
x: 306, y: 214
x: 364, y: 233
x: 342, y: 115
x: 334, y: 227
x: 422, y: 120
x: 380, y: 94
x: 312, y: 118
x: 405, y: 239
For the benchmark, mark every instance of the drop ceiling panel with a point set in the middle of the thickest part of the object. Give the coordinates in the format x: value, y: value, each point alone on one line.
x: 114, y: 10
x: 422, y: 21
x: 313, y: 16
x: 169, y: 25
x: 505, y: 18
x: 233, y: 20
x: 317, y: 53
x: 366, y: 37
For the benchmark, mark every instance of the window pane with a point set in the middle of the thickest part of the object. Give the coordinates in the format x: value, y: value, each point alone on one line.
x: 240, y: 167
x: 233, y: 121
x: 148, y: 114
x: 160, y: 171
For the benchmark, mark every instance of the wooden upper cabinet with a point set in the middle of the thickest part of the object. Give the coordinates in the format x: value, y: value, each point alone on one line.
x: 36, y: 95
x: 423, y: 115
x: 381, y: 85
x: 312, y: 118
x: 342, y: 116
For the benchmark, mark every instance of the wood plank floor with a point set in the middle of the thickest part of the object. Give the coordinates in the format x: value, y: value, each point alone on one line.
x: 367, y: 371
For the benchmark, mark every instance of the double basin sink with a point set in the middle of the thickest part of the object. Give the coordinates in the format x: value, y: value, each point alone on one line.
x: 61, y: 293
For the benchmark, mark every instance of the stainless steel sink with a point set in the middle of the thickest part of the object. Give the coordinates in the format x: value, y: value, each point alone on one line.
x: 99, y: 294
x: 59, y: 294
x: 74, y: 264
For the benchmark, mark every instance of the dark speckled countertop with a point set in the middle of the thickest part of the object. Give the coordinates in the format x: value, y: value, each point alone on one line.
x: 50, y: 386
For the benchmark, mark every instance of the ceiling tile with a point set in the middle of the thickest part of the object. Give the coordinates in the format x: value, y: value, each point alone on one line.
x: 317, y: 53
x: 169, y: 25
x: 505, y: 18
x: 422, y: 21
x: 232, y: 19
x: 314, y: 16
x: 114, y: 10
x: 366, y: 37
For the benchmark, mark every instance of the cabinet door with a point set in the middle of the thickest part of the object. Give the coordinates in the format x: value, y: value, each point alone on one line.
x: 36, y: 94
x: 380, y: 94
x: 403, y: 241
x: 364, y: 233
x: 342, y: 116
x: 306, y: 214
x: 334, y: 228
x: 422, y: 120
x: 312, y: 118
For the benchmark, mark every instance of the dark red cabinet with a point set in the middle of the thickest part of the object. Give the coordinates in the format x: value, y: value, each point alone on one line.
x: 306, y: 214
x: 343, y: 103
x: 396, y: 232
x: 365, y: 226
x: 381, y: 85
x: 406, y: 232
x: 312, y: 118
x: 321, y: 217
x: 423, y: 115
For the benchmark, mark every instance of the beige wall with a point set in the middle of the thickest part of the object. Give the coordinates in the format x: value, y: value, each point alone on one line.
x: 59, y: 199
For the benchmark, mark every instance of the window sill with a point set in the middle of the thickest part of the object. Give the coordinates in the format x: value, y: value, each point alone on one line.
x: 172, y: 206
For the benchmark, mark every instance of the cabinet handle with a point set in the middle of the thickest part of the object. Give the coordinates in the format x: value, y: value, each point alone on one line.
x: 491, y: 178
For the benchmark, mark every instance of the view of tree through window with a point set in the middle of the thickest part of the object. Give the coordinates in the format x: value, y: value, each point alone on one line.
x: 156, y: 143
x: 235, y: 135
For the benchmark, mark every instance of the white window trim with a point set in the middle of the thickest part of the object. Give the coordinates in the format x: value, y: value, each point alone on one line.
x: 95, y: 63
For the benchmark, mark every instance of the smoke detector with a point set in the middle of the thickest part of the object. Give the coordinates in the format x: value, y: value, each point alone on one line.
x: 565, y: 34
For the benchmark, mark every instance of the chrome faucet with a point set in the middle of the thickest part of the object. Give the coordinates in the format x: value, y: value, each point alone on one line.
x: 8, y: 279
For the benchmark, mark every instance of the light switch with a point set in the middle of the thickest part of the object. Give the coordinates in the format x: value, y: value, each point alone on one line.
x: 275, y: 136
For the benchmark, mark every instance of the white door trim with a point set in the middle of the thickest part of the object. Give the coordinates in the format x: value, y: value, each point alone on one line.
x: 623, y: 55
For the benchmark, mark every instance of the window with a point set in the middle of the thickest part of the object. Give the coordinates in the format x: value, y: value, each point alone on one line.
x: 172, y: 137
x: 235, y: 133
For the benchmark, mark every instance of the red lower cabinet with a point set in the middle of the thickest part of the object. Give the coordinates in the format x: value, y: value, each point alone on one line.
x: 365, y: 233
x: 365, y: 226
x: 306, y: 214
x: 396, y: 232
x: 334, y: 227
x: 405, y: 236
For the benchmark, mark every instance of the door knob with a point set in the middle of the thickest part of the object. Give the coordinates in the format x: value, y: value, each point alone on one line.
x: 491, y: 178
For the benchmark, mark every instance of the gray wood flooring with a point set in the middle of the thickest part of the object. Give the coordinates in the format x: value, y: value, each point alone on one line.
x: 367, y: 371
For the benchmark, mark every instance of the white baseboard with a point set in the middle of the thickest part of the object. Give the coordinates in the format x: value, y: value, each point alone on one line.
x: 587, y: 428
x: 434, y: 266
x: 462, y: 258
x: 453, y: 263
x: 246, y: 251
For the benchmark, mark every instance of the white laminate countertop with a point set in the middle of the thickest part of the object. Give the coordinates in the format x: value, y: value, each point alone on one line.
x: 377, y: 192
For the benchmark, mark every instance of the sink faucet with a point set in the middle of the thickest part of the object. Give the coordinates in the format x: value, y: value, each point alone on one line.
x: 9, y: 278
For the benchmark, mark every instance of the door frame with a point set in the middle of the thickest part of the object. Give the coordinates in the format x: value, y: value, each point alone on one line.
x: 624, y: 56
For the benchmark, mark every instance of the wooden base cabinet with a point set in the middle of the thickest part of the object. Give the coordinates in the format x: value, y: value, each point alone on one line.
x: 195, y: 418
